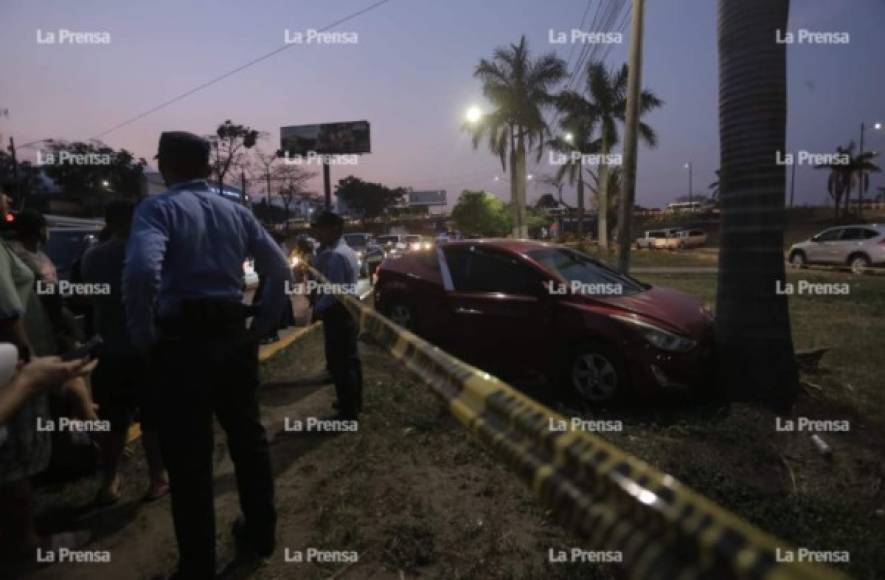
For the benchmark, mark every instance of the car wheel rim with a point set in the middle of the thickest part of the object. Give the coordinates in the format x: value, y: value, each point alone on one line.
x: 594, y: 377
x: 401, y: 315
x: 797, y: 261
x: 858, y: 265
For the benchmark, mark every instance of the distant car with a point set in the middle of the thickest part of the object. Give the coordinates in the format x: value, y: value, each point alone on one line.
x: 369, y: 253
x: 417, y: 243
x: 66, y: 245
x: 647, y: 241
x: 395, y: 243
x: 681, y: 239
x: 856, y: 246
x: 511, y: 307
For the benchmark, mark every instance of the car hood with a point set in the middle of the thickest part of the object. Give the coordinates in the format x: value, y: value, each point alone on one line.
x: 671, y: 309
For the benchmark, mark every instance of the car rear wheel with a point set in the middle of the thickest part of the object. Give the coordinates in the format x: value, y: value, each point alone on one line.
x: 596, y: 374
x: 798, y: 260
x: 858, y: 264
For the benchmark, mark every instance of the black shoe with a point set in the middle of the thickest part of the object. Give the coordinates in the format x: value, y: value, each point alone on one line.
x: 245, y: 552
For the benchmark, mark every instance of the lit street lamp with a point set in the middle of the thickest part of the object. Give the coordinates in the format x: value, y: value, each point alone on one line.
x: 569, y: 137
x: 863, y: 186
x: 473, y: 115
x: 690, y: 175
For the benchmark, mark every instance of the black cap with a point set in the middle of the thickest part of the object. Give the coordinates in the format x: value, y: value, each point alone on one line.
x: 183, y: 147
x: 328, y: 218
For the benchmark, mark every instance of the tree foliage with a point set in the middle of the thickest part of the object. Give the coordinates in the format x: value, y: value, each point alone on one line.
x: 481, y: 213
x: 367, y: 199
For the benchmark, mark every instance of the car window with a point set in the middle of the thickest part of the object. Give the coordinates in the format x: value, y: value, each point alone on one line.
x: 870, y: 234
x: 476, y: 269
x: 696, y: 233
x: 576, y: 267
x: 829, y: 235
x: 857, y: 234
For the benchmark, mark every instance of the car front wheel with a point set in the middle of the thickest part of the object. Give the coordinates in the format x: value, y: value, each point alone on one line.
x: 797, y: 260
x: 400, y: 313
x: 596, y: 374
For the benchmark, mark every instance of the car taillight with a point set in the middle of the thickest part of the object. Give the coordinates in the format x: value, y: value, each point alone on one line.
x: 882, y: 241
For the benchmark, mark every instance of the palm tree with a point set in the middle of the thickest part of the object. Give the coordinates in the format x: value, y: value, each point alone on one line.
x: 845, y: 176
x: 518, y: 88
x: 714, y: 188
x: 578, y: 120
x: 859, y: 171
x: 753, y: 334
x: 607, y: 97
x: 839, y: 179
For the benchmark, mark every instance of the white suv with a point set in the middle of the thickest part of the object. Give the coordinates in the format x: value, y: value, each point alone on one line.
x: 858, y: 247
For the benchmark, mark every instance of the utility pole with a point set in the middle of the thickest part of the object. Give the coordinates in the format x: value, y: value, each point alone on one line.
x: 15, y: 181
x: 327, y: 185
x: 792, y: 184
x: 631, y: 126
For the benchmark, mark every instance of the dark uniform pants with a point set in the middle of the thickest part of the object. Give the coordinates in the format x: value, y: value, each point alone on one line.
x: 208, y: 364
x: 342, y: 359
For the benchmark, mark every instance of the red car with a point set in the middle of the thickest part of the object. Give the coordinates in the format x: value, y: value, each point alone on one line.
x: 515, y: 306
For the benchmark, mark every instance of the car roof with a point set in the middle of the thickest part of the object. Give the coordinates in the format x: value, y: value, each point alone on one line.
x: 517, y: 246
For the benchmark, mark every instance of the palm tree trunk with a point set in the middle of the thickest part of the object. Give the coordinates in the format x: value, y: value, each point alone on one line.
x: 521, y: 186
x: 602, y: 197
x: 753, y: 333
x: 580, y: 203
x: 514, y: 193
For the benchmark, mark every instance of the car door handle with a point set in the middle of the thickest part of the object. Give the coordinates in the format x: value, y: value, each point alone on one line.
x: 462, y: 310
x: 413, y: 275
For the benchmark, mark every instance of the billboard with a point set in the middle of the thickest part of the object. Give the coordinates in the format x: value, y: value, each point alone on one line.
x: 326, y: 139
x: 427, y: 198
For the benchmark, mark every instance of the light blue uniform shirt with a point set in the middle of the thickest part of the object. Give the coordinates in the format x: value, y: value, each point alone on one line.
x: 339, y: 264
x: 190, y: 242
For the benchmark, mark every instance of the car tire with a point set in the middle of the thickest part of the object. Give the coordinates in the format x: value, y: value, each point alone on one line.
x: 595, y: 374
x: 858, y: 263
x: 401, y: 313
x: 798, y: 260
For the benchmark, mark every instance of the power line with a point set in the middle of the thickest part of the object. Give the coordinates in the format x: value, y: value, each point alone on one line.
x: 232, y: 72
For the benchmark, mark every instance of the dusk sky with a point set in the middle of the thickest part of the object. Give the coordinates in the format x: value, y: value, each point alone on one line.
x: 411, y: 76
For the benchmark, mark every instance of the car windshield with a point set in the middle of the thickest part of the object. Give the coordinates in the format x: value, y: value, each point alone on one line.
x: 411, y: 239
x: 387, y: 239
x: 356, y: 241
x: 657, y: 234
x: 576, y: 267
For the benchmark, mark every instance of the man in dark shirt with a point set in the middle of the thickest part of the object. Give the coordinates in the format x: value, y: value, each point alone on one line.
x: 119, y: 383
x: 183, y: 293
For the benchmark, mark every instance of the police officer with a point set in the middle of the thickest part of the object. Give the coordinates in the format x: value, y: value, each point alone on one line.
x: 338, y: 263
x: 182, y: 288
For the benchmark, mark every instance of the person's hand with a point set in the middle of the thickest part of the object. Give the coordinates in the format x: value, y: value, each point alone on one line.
x: 76, y: 389
x: 48, y: 372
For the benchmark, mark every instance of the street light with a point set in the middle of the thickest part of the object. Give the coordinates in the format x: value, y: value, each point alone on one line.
x: 862, y: 185
x: 569, y: 137
x: 473, y: 115
x: 690, y: 170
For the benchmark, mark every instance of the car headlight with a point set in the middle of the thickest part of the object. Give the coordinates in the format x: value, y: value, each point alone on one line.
x: 294, y: 261
x: 415, y: 246
x: 659, y: 337
x: 359, y: 254
x: 426, y: 245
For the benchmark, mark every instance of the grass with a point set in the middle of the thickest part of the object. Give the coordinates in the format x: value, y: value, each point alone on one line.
x: 412, y: 493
